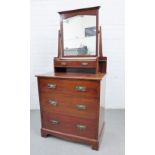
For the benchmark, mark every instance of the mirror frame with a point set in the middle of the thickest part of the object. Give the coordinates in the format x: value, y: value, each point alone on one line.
x: 71, y: 13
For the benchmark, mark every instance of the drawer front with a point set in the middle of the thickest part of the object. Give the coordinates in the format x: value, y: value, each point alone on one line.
x: 71, y: 125
x: 65, y: 104
x: 77, y: 88
x: 85, y: 64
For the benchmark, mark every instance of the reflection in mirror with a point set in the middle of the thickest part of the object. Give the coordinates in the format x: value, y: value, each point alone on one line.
x: 80, y: 35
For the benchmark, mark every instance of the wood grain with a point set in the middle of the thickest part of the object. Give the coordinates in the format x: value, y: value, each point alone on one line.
x: 70, y: 102
x: 71, y: 63
x: 68, y: 124
x: 69, y: 87
x: 68, y: 105
x: 73, y: 76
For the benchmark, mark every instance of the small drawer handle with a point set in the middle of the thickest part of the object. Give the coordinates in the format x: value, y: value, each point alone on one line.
x: 63, y: 63
x: 81, y: 107
x: 84, y: 63
x: 53, y: 102
x: 54, y: 122
x: 81, y: 127
x: 51, y: 86
x: 80, y: 88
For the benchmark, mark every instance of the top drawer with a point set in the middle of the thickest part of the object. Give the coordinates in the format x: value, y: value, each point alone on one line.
x: 81, y: 64
x: 73, y: 87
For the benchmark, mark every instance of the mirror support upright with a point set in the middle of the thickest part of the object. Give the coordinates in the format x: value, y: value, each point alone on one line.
x: 100, y: 43
x: 59, y: 44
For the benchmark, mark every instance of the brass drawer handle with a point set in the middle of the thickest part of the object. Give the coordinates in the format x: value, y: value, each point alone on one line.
x: 63, y: 63
x: 81, y: 107
x: 53, y: 102
x: 84, y: 63
x: 81, y: 127
x: 80, y: 88
x: 51, y: 86
x: 54, y: 122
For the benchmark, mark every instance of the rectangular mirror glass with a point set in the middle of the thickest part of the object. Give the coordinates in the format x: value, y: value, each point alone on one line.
x: 79, y: 35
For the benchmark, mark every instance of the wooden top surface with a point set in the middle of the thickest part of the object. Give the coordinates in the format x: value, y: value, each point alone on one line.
x: 69, y: 11
x: 73, y: 76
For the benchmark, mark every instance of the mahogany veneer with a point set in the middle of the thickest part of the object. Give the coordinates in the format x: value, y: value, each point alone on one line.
x: 64, y: 104
x: 70, y: 98
x: 70, y: 113
x: 73, y: 63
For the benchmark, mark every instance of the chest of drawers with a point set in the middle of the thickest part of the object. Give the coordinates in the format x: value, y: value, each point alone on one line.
x: 70, y: 106
x: 72, y: 98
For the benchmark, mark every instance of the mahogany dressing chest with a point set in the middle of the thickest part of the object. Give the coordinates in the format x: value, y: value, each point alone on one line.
x: 72, y: 97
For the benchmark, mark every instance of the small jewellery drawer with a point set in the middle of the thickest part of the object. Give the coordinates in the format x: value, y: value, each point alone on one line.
x: 73, y: 87
x: 65, y: 104
x: 85, y: 64
x: 70, y: 125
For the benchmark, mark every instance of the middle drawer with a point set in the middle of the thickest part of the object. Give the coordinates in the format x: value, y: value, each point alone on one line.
x: 73, y: 106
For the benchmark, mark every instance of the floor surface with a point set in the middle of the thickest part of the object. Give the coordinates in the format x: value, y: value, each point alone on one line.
x: 113, y: 141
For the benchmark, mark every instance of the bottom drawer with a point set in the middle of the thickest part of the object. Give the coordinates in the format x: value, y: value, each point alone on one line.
x: 68, y: 124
